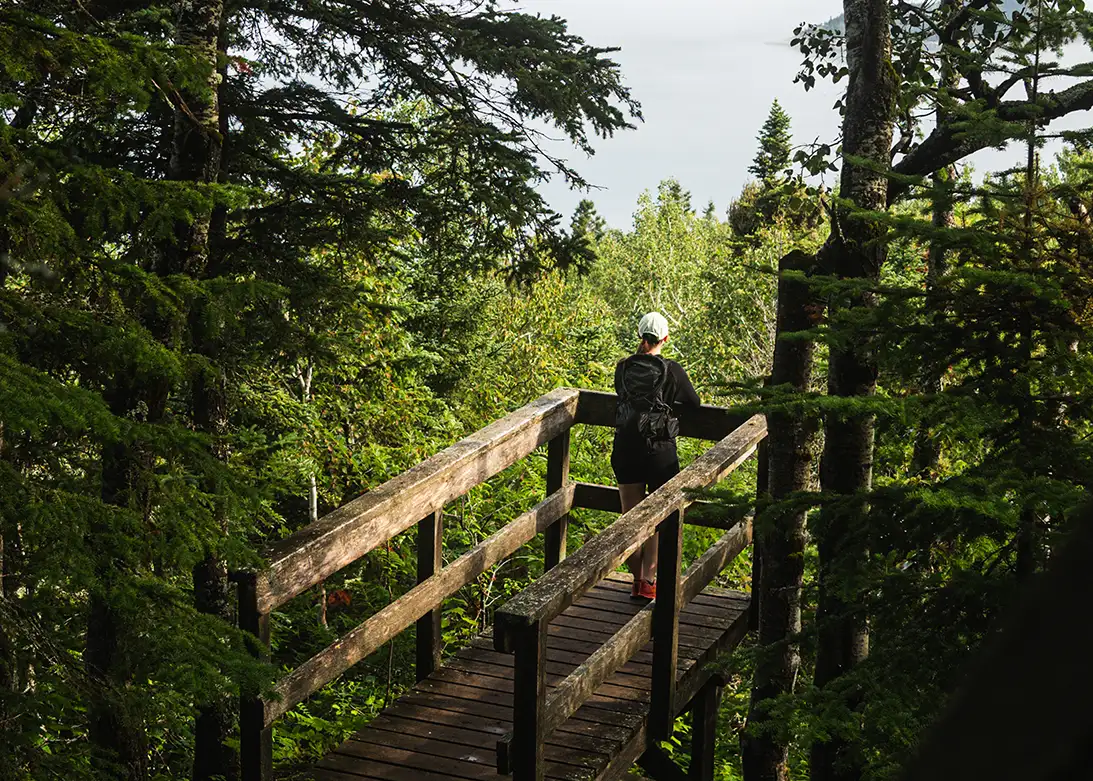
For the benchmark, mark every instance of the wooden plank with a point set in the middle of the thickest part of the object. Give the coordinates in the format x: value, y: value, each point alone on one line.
x: 692, y: 679
x: 495, y: 722
x: 557, y: 476
x: 590, y: 496
x: 608, y: 696
x: 556, y: 672
x: 430, y: 560
x: 707, y: 422
x: 344, y: 535
x: 574, y: 750
x: 255, y: 737
x: 705, y: 616
x: 704, y: 732
x: 695, y: 639
x: 624, y: 759
x: 659, y: 765
x: 694, y: 635
x: 613, y: 726
x: 557, y: 643
x: 525, y: 761
x: 666, y: 629
x: 716, y: 558
x: 556, y: 590
x: 583, y: 682
x: 408, y: 751
x: 617, y: 602
x: 377, y: 630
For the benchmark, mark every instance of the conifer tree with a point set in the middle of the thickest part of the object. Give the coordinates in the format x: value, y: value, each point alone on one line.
x: 775, y: 147
x: 165, y: 245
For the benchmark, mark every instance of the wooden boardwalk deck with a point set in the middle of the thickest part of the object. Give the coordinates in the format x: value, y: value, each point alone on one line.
x: 447, y: 727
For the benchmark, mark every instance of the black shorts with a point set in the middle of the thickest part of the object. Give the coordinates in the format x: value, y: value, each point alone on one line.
x: 638, y: 465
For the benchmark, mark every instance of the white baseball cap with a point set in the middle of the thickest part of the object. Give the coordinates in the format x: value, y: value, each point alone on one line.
x: 653, y: 323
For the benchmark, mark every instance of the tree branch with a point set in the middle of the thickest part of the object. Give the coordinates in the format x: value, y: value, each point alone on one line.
x: 951, y: 143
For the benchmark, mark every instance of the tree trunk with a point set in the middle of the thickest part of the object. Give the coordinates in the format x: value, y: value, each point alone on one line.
x: 855, y: 251
x: 196, y: 150
x: 115, y: 730
x: 791, y: 433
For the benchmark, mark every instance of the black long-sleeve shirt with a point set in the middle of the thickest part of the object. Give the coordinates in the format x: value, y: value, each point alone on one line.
x: 678, y: 392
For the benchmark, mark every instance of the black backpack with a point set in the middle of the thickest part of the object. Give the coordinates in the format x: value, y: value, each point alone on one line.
x: 641, y: 408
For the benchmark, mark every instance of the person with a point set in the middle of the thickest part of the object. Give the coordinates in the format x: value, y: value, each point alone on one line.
x: 652, y: 391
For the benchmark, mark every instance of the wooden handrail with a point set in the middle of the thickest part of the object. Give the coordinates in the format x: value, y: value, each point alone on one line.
x: 339, y: 538
x: 558, y: 588
x: 707, y: 422
x: 380, y: 628
x: 590, y: 496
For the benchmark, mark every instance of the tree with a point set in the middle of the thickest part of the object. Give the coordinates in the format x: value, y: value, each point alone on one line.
x: 587, y: 222
x: 780, y: 527
x: 775, y: 147
x: 855, y: 253
x: 166, y: 245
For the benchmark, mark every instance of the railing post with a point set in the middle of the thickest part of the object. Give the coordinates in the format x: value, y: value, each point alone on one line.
x: 666, y: 628
x: 255, y: 739
x: 761, y: 493
x: 430, y: 534
x: 557, y: 475
x: 704, y: 731
x: 528, y: 703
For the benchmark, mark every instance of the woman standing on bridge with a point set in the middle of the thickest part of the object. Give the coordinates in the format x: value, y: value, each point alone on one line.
x: 650, y: 389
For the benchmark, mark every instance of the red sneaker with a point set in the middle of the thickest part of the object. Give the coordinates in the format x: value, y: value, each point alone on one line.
x: 647, y: 590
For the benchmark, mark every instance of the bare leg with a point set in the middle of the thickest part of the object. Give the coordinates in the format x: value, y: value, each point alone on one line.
x: 649, y: 559
x: 629, y: 495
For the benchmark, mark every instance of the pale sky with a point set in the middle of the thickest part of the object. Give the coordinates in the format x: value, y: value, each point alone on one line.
x: 705, y: 72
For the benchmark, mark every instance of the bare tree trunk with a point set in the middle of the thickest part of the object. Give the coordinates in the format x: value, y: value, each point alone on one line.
x: 791, y: 434
x: 855, y: 251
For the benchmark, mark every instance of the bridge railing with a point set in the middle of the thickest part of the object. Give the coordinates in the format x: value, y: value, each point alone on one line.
x: 416, y: 498
x: 520, y: 627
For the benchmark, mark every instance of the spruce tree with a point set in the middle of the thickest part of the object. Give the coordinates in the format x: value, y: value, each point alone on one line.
x: 166, y: 247
x: 775, y: 147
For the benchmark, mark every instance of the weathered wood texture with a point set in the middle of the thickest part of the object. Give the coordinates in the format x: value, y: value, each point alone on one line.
x: 447, y: 726
x: 557, y: 589
x: 570, y: 694
x: 662, y: 712
x: 557, y: 475
x: 377, y: 630
x: 430, y: 547
x: 707, y: 422
x: 344, y: 535
x: 704, y: 731
x: 255, y: 738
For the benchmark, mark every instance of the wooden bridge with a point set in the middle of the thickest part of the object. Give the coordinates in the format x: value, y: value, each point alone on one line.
x: 576, y: 680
